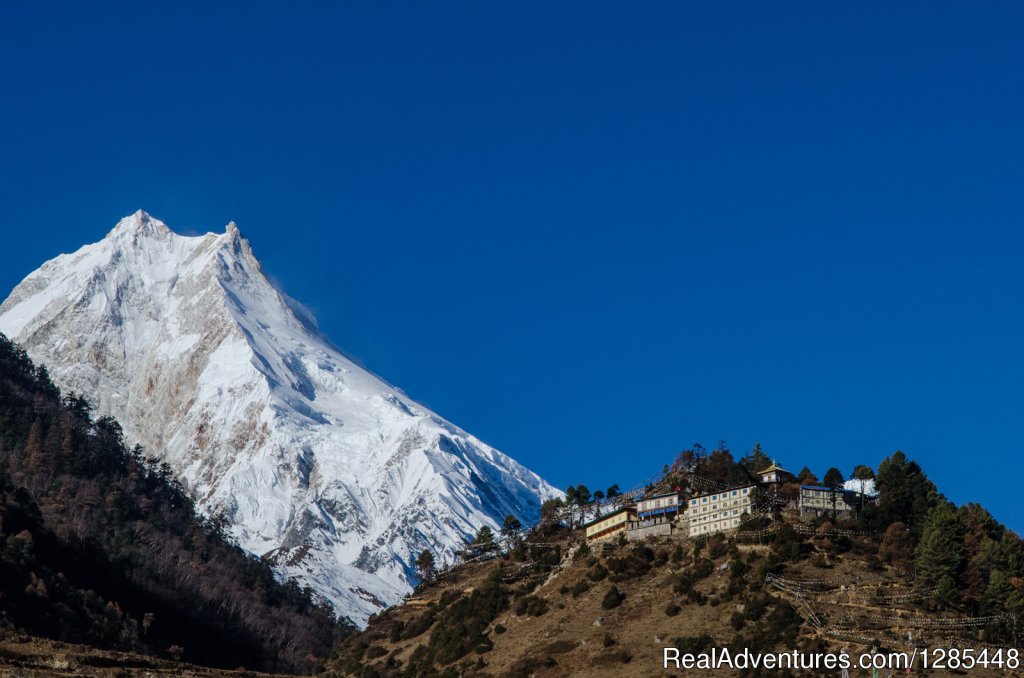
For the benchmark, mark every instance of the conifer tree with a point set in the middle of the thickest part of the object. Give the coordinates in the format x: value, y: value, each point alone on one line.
x: 426, y: 565
x: 833, y: 478
x: 862, y: 472
x: 582, y: 494
x: 549, y: 510
x: 34, y: 454
x: 757, y: 460
x: 905, y: 494
x: 940, y: 553
x: 511, y: 532
x: 484, y: 543
x: 807, y: 477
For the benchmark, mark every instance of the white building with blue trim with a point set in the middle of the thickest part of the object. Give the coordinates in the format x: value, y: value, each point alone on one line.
x: 655, y: 515
x: 719, y: 511
x: 817, y: 501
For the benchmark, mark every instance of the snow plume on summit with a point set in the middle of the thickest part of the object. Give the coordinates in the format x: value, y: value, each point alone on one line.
x: 336, y: 477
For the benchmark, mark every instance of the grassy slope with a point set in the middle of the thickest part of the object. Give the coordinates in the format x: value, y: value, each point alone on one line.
x: 577, y: 636
x: 32, y: 656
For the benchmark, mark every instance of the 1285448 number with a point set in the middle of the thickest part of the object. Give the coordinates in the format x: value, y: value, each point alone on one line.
x: 968, y: 658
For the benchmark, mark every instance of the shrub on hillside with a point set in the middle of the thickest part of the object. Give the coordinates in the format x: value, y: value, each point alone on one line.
x: 694, y: 644
x: 635, y: 563
x: 755, y: 608
x: 419, y: 625
x: 560, y: 647
x: 533, y: 606
x: 787, y: 544
x: 579, y: 588
x: 613, y: 598
x: 717, y: 546
x: 459, y: 629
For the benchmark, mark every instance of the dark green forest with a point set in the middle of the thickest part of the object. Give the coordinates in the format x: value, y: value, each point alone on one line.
x: 101, y: 546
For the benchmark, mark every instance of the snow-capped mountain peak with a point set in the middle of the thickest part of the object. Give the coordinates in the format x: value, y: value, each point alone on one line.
x: 334, y: 475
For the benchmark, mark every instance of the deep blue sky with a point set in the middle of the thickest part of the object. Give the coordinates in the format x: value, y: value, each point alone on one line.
x: 589, y: 234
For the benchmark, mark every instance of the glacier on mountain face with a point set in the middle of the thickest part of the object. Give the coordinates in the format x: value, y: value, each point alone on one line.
x: 330, y: 473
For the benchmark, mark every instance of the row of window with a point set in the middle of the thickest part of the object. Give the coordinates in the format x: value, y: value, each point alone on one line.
x: 742, y: 492
x: 726, y: 504
x: 716, y: 515
x: 613, y: 521
x: 648, y: 504
x: 605, y: 532
x: 816, y: 493
x: 714, y: 527
x: 822, y: 501
x: 826, y: 511
x: 649, y: 523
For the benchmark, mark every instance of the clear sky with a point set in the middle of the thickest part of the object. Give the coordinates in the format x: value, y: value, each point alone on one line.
x: 589, y: 233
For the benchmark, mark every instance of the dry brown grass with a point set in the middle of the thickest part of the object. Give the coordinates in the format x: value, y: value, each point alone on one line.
x: 38, y: 658
x: 576, y: 636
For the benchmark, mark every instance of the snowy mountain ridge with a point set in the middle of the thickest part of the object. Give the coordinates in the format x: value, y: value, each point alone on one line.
x: 335, y: 476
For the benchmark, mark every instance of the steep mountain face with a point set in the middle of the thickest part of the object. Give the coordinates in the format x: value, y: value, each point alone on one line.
x: 335, y: 476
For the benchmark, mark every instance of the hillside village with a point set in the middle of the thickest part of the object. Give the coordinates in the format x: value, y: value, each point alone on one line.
x: 711, y: 552
x: 638, y: 516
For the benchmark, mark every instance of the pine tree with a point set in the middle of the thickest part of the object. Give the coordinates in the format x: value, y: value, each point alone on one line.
x: 807, y: 477
x: 940, y: 553
x: 549, y: 510
x: 833, y: 478
x: 582, y: 495
x: 905, y: 494
x: 757, y: 460
x: 997, y: 593
x: 35, y: 452
x: 426, y: 566
x: 947, y: 592
x: 510, y: 532
x: 570, y: 495
x: 862, y: 472
x: 483, y: 543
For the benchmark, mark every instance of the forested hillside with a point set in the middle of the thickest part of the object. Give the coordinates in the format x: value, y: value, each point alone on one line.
x: 100, y: 546
x: 910, y: 571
